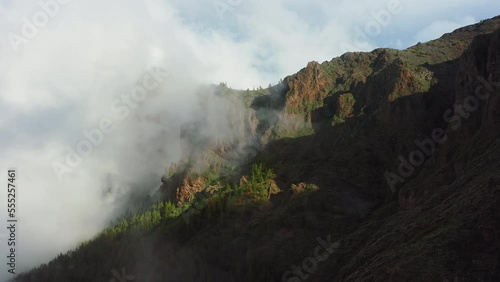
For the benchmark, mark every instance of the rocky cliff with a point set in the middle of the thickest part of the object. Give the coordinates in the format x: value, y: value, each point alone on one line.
x: 379, y: 166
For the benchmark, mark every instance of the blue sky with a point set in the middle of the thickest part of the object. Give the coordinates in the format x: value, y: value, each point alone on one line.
x: 299, y: 31
x: 277, y: 38
x: 63, y: 79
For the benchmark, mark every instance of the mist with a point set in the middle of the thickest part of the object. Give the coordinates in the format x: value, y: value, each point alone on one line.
x: 64, y: 82
x: 83, y: 138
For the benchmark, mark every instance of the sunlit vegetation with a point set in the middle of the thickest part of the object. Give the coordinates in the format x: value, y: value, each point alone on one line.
x: 295, y: 133
x: 254, y: 189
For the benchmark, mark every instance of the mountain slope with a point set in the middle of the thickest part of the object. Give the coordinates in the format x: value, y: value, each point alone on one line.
x: 331, y: 176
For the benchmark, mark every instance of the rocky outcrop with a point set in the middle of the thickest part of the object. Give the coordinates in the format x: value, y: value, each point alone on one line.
x: 307, y: 89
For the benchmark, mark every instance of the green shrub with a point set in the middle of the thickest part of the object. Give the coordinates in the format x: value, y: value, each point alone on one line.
x: 336, y: 120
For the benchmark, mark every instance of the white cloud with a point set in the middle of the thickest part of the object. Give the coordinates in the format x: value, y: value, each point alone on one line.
x: 438, y: 28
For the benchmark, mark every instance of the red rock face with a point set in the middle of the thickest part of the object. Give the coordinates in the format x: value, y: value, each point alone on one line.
x: 190, y: 186
x: 306, y: 87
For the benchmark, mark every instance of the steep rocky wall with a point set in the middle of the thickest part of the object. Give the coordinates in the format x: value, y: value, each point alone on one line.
x: 471, y: 122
